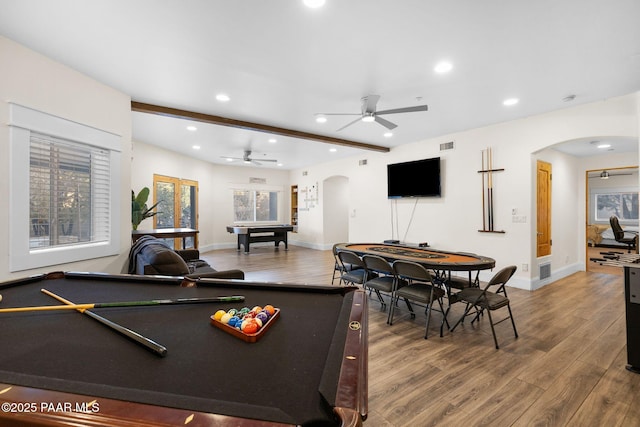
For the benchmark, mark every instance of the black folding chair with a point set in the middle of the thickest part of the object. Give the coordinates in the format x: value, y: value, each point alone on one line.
x: 482, y: 299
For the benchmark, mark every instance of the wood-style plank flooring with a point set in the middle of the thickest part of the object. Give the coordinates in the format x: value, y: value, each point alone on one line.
x: 567, y: 368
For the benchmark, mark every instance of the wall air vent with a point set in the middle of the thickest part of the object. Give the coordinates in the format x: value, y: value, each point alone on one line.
x: 257, y: 180
x: 545, y: 271
x: 362, y: 162
x: 446, y: 146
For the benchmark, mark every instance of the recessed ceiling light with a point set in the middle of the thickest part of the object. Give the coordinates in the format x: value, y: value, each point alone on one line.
x: 510, y: 101
x: 196, y: 147
x: 388, y: 134
x: 222, y: 97
x: 279, y: 164
x: 228, y: 159
x: 443, y: 67
x: 333, y: 150
x: 192, y: 128
x: 604, y: 145
x: 314, y: 4
x: 368, y: 118
x: 321, y: 119
x: 272, y: 140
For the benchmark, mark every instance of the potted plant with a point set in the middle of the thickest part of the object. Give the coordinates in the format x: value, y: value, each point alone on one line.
x: 139, y: 209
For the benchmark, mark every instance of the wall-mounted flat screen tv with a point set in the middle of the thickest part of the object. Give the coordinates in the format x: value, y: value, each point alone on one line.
x: 419, y: 178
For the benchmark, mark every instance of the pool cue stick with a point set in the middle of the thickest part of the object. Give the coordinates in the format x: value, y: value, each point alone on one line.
x: 490, y: 164
x: 484, y: 214
x: 151, y: 345
x: 234, y: 298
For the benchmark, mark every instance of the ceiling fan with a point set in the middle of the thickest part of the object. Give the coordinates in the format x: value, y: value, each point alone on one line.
x: 247, y: 158
x: 605, y: 174
x: 370, y: 114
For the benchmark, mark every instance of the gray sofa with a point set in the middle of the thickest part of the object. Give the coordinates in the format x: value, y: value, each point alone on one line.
x: 151, y: 256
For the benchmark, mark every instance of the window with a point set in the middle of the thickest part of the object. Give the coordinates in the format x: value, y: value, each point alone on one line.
x: 255, y: 206
x: 64, y: 190
x: 623, y: 205
x: 68, y: 193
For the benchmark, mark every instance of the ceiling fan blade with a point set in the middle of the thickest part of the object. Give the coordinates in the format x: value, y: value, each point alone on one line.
x: 349, y: 124
x: 369, y: 103
x: 404, y: 110
x: 385, y: 123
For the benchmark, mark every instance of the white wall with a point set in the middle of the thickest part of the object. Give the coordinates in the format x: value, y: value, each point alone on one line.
x: 452, y: 221
x: 32, y: 80
x: 215, y: 184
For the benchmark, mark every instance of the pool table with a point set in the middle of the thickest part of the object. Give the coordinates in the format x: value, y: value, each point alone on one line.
x: 63, y: 368
x: 261, y: 233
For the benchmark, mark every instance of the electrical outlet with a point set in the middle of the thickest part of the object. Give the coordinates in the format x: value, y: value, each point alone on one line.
x: 525, y: 267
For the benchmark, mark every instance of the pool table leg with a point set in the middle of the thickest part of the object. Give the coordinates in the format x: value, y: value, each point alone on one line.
x: 244, y: 240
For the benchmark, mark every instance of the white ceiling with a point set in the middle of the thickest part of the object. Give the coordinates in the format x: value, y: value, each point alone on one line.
x: 281, y: 63
x: 595, y: 146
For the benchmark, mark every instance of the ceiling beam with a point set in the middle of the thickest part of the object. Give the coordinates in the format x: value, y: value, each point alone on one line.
x: 225, y: 121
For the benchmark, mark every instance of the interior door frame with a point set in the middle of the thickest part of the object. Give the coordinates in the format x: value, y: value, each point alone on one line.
x: 178, y: 183
x: 548, y: 211
x: 587, y: 205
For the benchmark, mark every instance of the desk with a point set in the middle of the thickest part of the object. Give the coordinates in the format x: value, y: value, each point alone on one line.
x: 310, y: 365
x: 261, y: 233
x: 168, y: 233
x: 430, y: 258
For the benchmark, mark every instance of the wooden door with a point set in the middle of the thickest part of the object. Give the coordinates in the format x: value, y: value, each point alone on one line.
x: 544, y: 208
x: 178, y: 206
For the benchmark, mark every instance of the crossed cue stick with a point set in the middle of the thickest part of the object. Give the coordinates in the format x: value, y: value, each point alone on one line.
x: 151, y: 345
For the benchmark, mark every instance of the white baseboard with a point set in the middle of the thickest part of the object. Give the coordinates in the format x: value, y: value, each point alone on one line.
x: 557, y: 274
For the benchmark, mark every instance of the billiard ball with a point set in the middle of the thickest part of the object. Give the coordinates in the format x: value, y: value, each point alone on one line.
x: 225, y: 318
x: 269, y: 309
x: 233, y: 321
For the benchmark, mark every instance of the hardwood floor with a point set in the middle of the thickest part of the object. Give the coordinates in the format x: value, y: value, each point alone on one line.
x: 567, y: 368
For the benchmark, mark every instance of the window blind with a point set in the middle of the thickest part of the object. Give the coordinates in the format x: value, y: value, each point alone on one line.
x: 69, y: 192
